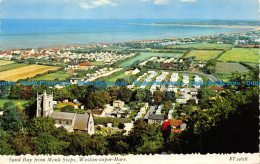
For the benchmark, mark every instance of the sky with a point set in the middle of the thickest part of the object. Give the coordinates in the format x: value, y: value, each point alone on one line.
x: 131, y: 9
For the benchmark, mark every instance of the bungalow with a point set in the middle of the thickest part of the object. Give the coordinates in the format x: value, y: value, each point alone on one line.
x: 177, y: 125
x: 30, y: 50
x: 86, y: 66
x: 65, y: 59
x: 36, y: 56
x: 155, y: 119
x: 16, y: 51
x: 133, y: 72
x: 73, y: 66
x: 201, y: 64
x: 1, y: 55
x: 118, y: 104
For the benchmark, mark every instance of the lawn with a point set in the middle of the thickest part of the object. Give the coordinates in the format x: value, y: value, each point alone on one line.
x: 16, y: 102
x: 98, y: 63
x: 4, y: 62
x: 206, y: 45
x: 146, y: 55
x: 241, y: 55
x: 203, y: 54
x: 11, y: 66
x: 25, y: 72
x: 61, y: 75
x: 222, y: 67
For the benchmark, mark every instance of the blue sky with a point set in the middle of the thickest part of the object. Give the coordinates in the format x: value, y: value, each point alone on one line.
x: 131, y: 9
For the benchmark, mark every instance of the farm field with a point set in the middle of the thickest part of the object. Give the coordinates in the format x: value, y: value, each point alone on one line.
x: 203, y: 54
x: 146, y: 55
x: 61, y: 75
x: 16, y: 102
x: 4, y: 62
x: 222, y: 67
x: 241, y: 55
x: 11, y: 66
x: 98, y: 63
x: 25, y: 72
x: 208, y: 45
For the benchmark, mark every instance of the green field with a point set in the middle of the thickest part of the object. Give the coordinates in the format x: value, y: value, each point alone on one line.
x: 5, y: 62
x: 222, y: 67
x: 98, y: 63
x: 241, y: 55
x: 146, y: 55
x: 11, y: 66
x: 203, y: 54
x: 16, y: 102
x: 61, y: 75
x: 208, y: 45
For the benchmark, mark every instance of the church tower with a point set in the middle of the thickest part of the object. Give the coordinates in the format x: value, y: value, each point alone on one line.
x: 44, y: 104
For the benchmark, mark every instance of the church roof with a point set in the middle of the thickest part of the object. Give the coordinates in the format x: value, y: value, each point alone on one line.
x: 62, y: 115
x: 81, y: 121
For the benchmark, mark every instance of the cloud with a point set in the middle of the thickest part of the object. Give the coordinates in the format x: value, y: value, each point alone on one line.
x: 96, y: 3
x: 161, y: 2
x: 188, y: 0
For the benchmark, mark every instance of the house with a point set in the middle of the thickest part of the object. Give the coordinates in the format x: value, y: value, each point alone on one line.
x: 201, y: 64
x: 86, y: 66
x: 75, y: 80
x: 16, y: 51
x: 36, y: 56
x: 95, y: 112
x: 65, y: 59
x: 73, y: 66
x: 1, y: 55
x: 155, y: 119
x: 118, y: 104
x: 30, y: 50
x: 133, y: 72
x: 70, y: 121
x: 177, y: 125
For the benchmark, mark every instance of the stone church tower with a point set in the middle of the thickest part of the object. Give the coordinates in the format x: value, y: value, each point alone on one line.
x: 44, y: 104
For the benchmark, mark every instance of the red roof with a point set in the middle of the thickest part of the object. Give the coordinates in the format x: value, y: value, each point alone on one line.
x: 216, y: 88
x: 8, y: 52
x: 85, y: 64
x: 35, y: 55
x: 15, y: 50
x: 175, y: 123
x: 176, y: 131
x: 1, y: 53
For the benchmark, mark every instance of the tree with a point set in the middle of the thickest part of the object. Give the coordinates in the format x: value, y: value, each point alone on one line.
x: 47, y: 144
x: 14, y: 92
x: 158, y: 97
x: 11, y: 120
x: 40, y: 125
x: 125, y: 94
x: 22, y: 143
x: 68, y: 108
x: 26, y: 92
x: 121, y: 125
x: 167, y: 105
x: 98, y: 99
x: 169, y: 95
x: 3, y: 90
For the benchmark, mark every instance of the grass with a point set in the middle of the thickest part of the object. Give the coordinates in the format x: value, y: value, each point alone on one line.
x: 114, y: 121
x: 16, y: 102
x: 241, y: 55
x: 223, y: 76
x: 114, y: 78
x: 98, y: 63
x: 222, y: 67
x: 203, y: 54
x: 4, y: 62
x: 25, y: 72
x: 61, y: 75
x: 146, y: 55
x: 206, y: 45
x: 11, y: 66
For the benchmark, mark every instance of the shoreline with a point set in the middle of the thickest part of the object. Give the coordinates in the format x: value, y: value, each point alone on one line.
x: 244, y: 29
x: 207, y: 26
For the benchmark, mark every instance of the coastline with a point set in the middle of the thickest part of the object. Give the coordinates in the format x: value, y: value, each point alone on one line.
x: 208, y: 26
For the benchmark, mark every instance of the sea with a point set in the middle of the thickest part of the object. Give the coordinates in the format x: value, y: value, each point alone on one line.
x: 35, y: 33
